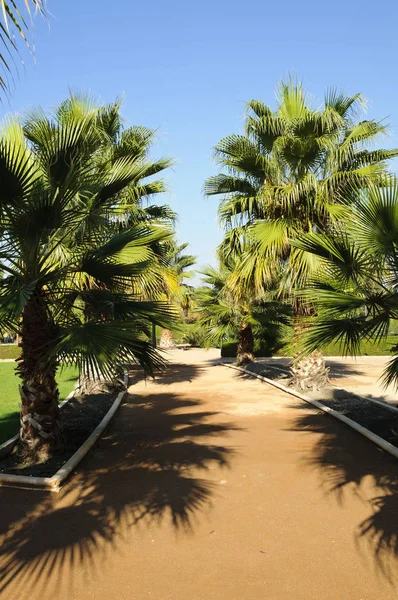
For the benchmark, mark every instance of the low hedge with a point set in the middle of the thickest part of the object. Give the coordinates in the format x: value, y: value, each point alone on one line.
x: 367, y: 348
x: 229, y: 349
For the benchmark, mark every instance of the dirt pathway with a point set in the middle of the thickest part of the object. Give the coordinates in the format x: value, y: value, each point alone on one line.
x: 210, y: 486
x: 362, y: 375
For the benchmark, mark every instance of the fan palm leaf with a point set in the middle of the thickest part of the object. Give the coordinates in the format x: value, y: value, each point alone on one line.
x: 76, y: 270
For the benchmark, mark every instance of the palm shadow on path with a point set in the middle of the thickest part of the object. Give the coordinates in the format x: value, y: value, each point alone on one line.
x: 347, y: 463
x: 174, y: 373
x: 146, y: 469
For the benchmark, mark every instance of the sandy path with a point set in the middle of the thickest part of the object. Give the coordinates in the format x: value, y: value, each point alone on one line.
x: 362, y: 375
x: 210, y: 485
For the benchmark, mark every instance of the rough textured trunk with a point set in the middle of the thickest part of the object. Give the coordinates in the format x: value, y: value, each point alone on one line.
x: 166, y: 339
x: 309, y: 372
x: 245, y: 352
x: 99, y: 385
x: 40, y: 416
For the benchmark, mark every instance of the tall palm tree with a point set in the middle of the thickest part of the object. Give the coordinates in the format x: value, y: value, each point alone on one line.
x: 229, y: 314
x: 73, y: 269
x: 288, y: 175
x: 15, y: 19
x: 355, y: 287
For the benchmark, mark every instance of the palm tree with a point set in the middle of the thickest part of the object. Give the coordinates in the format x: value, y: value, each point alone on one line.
x: 14, y: 25
x: 227, y: 315
x: 355, y: 288
x: 176, y: 289
x: 73, y: 268
x: 287, y: 175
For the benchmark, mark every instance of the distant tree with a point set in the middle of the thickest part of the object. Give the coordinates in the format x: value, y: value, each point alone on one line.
x: 176, y: 290
x: 230, y: 314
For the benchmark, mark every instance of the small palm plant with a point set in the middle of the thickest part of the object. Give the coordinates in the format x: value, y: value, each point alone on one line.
x: 355, y: 287
x: 228, y: 314
x: 73, y: 269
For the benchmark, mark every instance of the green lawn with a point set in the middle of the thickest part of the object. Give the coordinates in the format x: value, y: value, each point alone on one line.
x: 10, y: 400
x: 9, y: 351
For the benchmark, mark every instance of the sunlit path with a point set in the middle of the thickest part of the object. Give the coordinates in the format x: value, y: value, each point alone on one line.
x: 209, y: 485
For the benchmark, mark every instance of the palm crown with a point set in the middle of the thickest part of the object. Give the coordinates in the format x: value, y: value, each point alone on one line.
x: 287, y: 174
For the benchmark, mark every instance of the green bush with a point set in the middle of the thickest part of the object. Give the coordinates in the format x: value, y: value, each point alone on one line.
x: 193, y: 335
x: 229, y: 349
x: 9, y: 351
x: 367, y: 348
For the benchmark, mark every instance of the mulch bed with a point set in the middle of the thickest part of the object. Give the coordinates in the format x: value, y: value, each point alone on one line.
x: 80, y: 417
x: 381, y: 421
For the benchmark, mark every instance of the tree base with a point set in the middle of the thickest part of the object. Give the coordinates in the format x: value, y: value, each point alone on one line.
x: 97, y: 385
x: 166, y: 339
x: 244, y: 359
x: 309, y: 373
x: 36, y: 452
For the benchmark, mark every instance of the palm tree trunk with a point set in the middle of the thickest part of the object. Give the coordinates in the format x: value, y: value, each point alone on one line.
x: 40, y: 416
x: 309, y: 372
x: 245, y: 351
x: 166, y: 339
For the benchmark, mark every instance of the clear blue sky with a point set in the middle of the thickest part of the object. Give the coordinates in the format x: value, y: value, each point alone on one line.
x: 187, y: 68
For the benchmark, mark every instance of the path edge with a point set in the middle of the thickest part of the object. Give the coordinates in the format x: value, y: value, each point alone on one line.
x: 376, y: 439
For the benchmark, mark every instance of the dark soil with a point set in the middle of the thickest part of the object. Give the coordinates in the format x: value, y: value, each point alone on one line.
x: 381, y: 421
x: 80, y: 417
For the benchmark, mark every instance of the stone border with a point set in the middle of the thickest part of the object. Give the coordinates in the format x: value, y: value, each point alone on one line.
x: 53, y: 484
x: 376, y: 439
x: 340, y: 389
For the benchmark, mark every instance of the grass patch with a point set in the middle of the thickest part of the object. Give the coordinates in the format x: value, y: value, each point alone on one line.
x: 9, y: 351
x: 10, y: 400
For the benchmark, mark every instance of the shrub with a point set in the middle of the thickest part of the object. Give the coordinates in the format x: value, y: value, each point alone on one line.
x: 367, y: 348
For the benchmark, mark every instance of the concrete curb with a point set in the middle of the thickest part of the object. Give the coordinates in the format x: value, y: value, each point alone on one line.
x: 383, y: 444
x: 374, y: 400
x: 53, y: 484
x: 379, y: 402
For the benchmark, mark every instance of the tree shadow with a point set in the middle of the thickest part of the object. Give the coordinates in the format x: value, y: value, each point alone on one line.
x: 175, y: 373
x: 348, y: 464
x: 339, y: 370
x: 384, y: 399
x: 146, y: 469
